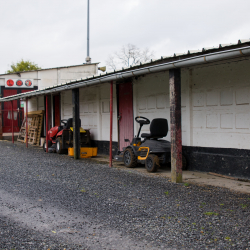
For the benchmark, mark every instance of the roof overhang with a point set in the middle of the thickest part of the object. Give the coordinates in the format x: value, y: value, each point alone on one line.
x: 137, y: 71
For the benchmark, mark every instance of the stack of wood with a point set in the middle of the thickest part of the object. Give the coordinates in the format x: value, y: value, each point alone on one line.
x: 35, y: 122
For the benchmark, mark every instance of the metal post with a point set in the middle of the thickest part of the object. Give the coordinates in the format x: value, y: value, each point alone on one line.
x: 47, y: 124
x: 26, y: 136
x: 88, y: 31
x: 76, y: 123
x: 175, y: 125
x: 111, y: 124
x: 1, y: 125
x: 12, y: 122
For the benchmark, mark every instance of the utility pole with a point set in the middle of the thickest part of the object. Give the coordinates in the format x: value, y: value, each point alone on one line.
x: 88, y: 59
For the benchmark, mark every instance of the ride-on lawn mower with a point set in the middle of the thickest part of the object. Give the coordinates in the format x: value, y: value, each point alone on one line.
x: 60, y: 138
x: 150, y: 151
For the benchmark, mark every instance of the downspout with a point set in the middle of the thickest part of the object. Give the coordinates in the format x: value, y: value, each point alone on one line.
x: 47, y: 124
x: 26, y: 136
x: 12, y: 122
x: 111, y: 124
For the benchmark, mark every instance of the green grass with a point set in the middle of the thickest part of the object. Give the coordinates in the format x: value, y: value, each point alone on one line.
x: 83, y: 190
x: 243, y: 205
x: 166, y: 193
x: 186, y: 184
x: 211, y: 213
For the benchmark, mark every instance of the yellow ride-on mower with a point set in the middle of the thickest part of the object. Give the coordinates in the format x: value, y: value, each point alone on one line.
x: 148, y: 149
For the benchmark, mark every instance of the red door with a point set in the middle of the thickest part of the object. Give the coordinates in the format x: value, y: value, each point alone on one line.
x: 57, y: 117
x: 126, y: 118
x: 7, y: 117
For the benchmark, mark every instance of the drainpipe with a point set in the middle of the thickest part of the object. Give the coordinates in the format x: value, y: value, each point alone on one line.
x: 175, y: 124
x: 12, y: 122
x: 111, y: 124
x: 26, y: 122
x: 47, y: 124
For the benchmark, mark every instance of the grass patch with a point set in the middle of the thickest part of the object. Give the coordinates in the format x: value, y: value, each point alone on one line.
x: 83, y: 190
x: 186, y: 184
x: 243, y: 205
x: 166, y: 193
x: 211, y: 213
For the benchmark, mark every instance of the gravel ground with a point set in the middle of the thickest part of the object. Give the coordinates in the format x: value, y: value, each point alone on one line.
x: 50, y: 201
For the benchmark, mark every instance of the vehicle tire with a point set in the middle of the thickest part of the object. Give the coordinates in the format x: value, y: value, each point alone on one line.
x: 152, y: 163
x: 59, y: 147
x: 44, y: 145
x: 184, y: 163
x: 129, y: 158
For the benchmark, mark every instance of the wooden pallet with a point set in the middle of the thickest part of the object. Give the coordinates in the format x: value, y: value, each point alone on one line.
x: 22, y: 132
x: 35, y: 122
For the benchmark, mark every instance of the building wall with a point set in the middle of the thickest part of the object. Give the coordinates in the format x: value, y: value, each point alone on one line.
x: 220, y: 105
x: 151, y: 100
x: 94, y: 110
x: 49, y: 77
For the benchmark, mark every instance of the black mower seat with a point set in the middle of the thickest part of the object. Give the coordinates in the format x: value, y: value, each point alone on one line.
x: 70, y: 123
x: 158, y: 129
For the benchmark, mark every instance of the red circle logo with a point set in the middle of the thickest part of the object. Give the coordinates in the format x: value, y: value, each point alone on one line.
x: 19, y: 82
x: 10, y: 83
x: 28, y: 83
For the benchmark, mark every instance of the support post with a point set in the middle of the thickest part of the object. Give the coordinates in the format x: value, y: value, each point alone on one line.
x: 175, y: 124
x: 12, y: 122
x: 47, y: 124
x: 76, y: 123
x: 111, y: 124
x: 1, y: 125
x: 26, y: 115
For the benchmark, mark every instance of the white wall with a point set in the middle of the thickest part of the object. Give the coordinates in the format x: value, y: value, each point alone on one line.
x: 94, y: 110
x: 220, y: 105
x: 49, y: 77
x: 151, y: 100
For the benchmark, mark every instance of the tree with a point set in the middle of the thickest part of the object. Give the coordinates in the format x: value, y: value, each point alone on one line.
x: 22, y: 66
x: 129, y: 55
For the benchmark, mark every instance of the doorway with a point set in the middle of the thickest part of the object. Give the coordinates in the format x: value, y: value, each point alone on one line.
x: 125, y: 114
x: 57, y: 110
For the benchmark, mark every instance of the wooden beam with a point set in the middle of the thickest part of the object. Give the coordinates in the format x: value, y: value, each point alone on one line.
x: 175, y: 124
x: 76, y: 123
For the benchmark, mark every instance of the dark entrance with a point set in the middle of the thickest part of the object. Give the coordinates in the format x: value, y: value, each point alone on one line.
x: 126, y: 118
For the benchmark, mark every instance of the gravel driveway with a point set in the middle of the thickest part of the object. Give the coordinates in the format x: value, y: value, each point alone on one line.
x: 50, y: 201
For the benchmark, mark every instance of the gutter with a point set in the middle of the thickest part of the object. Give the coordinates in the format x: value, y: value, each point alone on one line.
x: 96, y: 80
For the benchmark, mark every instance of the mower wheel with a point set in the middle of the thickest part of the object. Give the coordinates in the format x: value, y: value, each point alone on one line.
x: 44, y: 145
x: 129, y: 158
x: 152, y: 163
x: 59, y: 148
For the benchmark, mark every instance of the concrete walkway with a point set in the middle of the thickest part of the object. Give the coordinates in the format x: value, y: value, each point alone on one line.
x: 200, y: 178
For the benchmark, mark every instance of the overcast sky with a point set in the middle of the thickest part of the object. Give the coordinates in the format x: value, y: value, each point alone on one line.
x: 53, y: 33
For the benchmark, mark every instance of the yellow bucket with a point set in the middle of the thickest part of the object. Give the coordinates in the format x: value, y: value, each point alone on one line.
x: 84, y: 152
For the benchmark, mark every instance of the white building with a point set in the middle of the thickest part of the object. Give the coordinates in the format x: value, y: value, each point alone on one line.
x: 215, y: 105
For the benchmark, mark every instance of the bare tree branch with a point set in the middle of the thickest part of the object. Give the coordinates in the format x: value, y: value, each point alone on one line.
x: 129, y: 55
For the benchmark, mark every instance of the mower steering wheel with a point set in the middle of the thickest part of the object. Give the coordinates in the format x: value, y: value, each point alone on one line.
x: 64, y: 122
x: 143, y: 121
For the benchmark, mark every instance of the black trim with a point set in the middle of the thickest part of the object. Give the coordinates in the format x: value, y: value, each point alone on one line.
x: 103, y: 147
x: 225, y: 161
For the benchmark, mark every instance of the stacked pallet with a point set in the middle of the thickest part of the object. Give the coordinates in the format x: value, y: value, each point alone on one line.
x: 35, y: 122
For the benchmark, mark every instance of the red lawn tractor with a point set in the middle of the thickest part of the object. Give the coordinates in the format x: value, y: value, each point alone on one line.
x: 60, y: 138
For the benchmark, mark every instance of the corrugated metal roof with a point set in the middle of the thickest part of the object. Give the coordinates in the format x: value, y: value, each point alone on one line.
x: 163, y: 60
